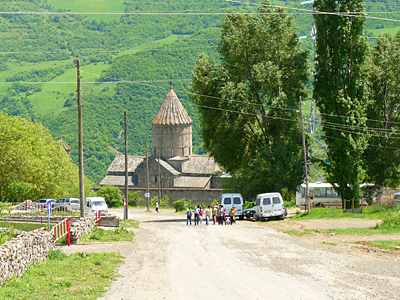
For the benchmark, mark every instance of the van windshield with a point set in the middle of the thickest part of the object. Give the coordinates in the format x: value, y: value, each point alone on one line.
x: 99, y: 202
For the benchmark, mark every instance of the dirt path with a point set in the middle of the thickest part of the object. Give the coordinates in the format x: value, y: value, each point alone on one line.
x: 248, y: 260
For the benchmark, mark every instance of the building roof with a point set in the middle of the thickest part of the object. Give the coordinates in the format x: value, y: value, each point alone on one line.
x: 116, y: 180
x: 200, y: 164
x: 168, y: 167
x: 191, y: 182
x: 171, y: 112
x: 118, y: 164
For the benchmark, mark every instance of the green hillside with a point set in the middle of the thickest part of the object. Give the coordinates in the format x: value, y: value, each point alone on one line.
x: 38, y: 53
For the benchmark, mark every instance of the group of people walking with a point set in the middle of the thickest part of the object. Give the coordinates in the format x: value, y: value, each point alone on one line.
x: 216, y: 213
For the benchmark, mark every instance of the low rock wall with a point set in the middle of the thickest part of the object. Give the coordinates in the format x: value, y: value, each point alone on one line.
x: 81, y: 226
x: 24, y: 249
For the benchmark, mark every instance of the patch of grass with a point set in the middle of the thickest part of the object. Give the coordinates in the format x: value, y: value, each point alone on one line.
x: 329, y: 243
x: 373, y: 212
x: 129, y: 223
x: 102, y: 235
x: 392, y: 245
x: 110, y: 6
x: 294, y: 232
x: 75, y: 277
x: 23, y: 226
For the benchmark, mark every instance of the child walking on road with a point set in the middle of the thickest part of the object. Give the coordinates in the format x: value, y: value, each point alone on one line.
x: 189, y: 217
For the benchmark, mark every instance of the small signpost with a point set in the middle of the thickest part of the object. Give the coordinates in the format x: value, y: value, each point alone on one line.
x: 125, y: 210
x: 48, y: 204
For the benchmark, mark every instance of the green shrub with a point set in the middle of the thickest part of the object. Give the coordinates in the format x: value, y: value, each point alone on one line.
x: 250, y: 205
x: 391, y: 221
x: 112, y: 195
x: 182, y: 204
x: 291, y: 203
x: 134, y: 198
x: 163, y: 203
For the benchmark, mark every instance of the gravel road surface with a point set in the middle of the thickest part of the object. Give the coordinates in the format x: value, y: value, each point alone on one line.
x: 247, y: 260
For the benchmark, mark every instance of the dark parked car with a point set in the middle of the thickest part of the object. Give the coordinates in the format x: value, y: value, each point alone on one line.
x: 249, y: 213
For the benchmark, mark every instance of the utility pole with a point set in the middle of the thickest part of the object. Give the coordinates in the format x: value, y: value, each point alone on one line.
x: 159, y: 177
x: 147, y: 172
x: 305, y: 157
x: 126, y: 166
x: 80, y: 140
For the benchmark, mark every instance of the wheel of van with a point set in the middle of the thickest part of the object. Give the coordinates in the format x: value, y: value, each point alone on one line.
x: 256, y: 218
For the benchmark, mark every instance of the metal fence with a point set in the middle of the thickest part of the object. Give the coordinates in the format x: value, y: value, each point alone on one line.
x: 29, y: 208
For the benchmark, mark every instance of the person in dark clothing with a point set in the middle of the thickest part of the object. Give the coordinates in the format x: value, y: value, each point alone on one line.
x: 189, y: 217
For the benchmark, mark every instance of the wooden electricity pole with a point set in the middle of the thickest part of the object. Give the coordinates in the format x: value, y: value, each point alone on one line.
x: 126, y: 166
x: 80, y: 140
x: 147, y: 172
x: 307, y: 198
x: 159, y: 177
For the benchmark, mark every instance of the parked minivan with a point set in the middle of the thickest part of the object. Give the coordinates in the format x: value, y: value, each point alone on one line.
x: 96, y: 204
x: 230, y: 200
x: 269, y: 205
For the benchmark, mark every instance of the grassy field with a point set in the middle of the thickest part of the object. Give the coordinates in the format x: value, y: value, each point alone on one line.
x: 23, y: 226
x: 53, y: 94
x: 75, y: 277
x: 93, y: 6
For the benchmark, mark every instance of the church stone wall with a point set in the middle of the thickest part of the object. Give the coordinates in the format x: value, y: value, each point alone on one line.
x: 172, y: 140
x: 196, y: 195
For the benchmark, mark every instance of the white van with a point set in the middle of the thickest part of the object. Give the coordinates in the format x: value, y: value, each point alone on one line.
x: 96, y: 204
x: 230, y: 200
x: 269, y: 205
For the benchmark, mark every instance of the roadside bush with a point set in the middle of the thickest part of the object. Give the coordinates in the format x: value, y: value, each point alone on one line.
x: 251, y: 205
x: 112, y: 195
x: 164, y: 202
x: 291, y: 203
x: 392, y: 221
x: 182, y: 204
x: 134, y: 198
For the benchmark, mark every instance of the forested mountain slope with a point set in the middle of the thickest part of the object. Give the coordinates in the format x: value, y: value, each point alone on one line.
x: 146, y: 51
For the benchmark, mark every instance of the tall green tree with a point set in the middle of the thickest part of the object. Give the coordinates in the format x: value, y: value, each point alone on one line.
x: 248, y: 102
x: 383, y: 69
x: 339, y: 91
x: 32, y: 164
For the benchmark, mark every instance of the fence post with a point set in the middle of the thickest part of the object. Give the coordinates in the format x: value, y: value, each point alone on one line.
x: 361, y: 204
x: 68, y: 234
x: 99, y: 219
x: 352, y: 202
x: 336, y: 204
x: 329, y: 205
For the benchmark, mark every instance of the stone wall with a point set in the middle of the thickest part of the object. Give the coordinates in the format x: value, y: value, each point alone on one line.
x: 81, y: 226
x: 197, y: 195
x: 24, y: 249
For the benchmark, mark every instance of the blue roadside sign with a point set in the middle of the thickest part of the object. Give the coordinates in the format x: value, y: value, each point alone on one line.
x: 48, y: 204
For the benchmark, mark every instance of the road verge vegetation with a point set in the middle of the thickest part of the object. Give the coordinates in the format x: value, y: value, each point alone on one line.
x: 78, y: 276
x: 101, y: 235
x: 374, y: 212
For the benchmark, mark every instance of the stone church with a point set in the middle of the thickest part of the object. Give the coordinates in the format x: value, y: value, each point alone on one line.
x: 174, y: 171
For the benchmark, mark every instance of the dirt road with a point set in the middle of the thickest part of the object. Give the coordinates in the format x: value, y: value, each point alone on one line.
x: 248, y: 260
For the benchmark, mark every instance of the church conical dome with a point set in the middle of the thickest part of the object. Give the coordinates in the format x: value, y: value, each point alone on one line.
x: 171, y: 112
x: 172, y: 129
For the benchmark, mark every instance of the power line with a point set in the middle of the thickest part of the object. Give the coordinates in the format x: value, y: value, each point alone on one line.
x: 101, y: 51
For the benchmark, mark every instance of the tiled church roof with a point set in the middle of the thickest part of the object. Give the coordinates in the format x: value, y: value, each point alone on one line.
x: 171, y: 112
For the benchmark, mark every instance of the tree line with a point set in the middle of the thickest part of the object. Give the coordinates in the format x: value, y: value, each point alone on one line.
x: 249, y: 99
